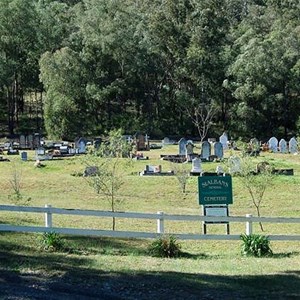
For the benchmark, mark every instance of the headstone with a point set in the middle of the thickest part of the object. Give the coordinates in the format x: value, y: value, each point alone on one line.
x: 182, y: 146
x: 72, y: 151
x: 64, y: 150
x: 196, y: 165
x: 273, y: 144
x: 219, y: 169
x: 82, y: 147
x: 24, y: 156
x: 218, y: 150
x: 36, y: 140
x: 153, y: 169
x: 205, y: 150
x: 224, y: 140
x: 22, y: 141
x: 283, y: 146
x: 40, y: 151
x: 141, y: 143
x: 293, y: 146
x: 234, y: 163
x: 80, y: 144
x: 30, y: 141
x: 189, y: 150
x: 166, y: 141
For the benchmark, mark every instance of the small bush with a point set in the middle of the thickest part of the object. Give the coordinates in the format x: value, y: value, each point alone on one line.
x: 52, y: 241
x: 165, y: 246
x: 256, y: 245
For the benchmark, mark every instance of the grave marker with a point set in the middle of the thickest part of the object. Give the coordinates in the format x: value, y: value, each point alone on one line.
x: 224, y: 140
x: 293, y: 146
x: 283, y: 146
x: 218, y: 150
x: 205, y: 150
x: 182, y: 146
x: 273, y: 144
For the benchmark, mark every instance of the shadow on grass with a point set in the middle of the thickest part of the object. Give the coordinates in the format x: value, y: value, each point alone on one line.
x: 285, y: 255
x: 26, y: 271
x: 68, y: 278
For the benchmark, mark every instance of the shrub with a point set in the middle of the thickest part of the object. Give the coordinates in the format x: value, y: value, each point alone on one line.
x: 255, y: 245
x: 165, y: 246
x: 51, y: 241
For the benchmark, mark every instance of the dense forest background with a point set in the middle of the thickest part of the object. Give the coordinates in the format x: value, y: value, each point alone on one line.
x: 83, y: 67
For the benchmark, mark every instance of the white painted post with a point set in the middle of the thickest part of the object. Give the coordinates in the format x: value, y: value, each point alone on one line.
x: 248, y: 225
x: 160, y: 222
x: 48, y: 217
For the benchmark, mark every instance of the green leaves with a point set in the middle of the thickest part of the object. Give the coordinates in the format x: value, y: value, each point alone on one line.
x: 165, y: 246
x: 52, y: 242
x: 255, y: 245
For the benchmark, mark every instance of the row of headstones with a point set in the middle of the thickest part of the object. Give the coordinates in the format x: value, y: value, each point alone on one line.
x: 234, y: 163
x: 282, y: 146
x: 206, y: 149
x: 29, y: 141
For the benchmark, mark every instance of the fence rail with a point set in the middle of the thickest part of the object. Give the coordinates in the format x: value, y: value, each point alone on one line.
x: 160, y: 217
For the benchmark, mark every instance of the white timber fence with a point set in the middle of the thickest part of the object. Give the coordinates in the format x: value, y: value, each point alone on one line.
x: 160, y: 217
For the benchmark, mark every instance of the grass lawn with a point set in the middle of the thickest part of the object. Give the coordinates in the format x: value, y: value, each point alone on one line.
x: 122, y: 267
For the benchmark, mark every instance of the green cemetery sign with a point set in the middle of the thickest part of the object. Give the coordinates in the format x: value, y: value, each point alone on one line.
x: 215, y: 190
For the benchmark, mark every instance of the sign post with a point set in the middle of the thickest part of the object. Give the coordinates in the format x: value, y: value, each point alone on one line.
x: 215, y: 193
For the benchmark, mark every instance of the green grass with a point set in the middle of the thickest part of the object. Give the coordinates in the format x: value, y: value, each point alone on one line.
x: 210, y: 265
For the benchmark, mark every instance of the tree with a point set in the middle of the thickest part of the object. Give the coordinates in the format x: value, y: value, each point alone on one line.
x: 202, y: 116
x: 108, y: 179
x: 18, y: 56
x: 182, y: 175
x: 262, y: 76
x: 256, y: 182
x: 65, y: 103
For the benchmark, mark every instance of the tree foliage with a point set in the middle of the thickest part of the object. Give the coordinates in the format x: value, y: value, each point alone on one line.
x: 143, y: 65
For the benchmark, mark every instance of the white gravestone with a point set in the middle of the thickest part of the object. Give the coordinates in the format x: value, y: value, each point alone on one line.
x: 293, y: 146
x: 166, y: 141
x: 224, y: 140
x: 182, y: 146
x: 234, y: 164
x: 196, y: 165
x: 273, y: 144
x: 283, y: 146
x: 219, y: 169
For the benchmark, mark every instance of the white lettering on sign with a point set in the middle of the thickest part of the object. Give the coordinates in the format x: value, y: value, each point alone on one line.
x: 215, y: 183
x: 215, y: 198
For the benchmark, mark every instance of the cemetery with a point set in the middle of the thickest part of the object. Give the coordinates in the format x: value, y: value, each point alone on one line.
x: 156, y: 192
x: 149, y: 149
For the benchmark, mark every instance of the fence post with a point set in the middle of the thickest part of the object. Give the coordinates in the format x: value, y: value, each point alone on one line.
x: 48, y: 217
x: 160, y: 222
x: 248, y: 225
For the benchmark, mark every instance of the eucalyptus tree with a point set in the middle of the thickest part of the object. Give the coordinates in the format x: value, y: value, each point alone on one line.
x: 65, y: 102
x: 18, y: 60
x: 110, y: 39
x: 263, y: 75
